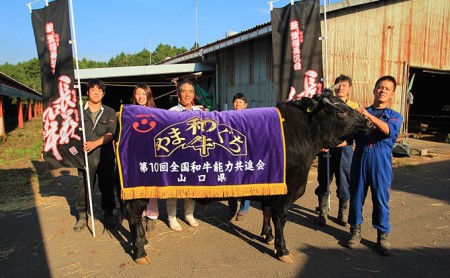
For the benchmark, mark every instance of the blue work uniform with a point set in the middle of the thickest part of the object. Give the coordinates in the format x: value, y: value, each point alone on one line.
x: 372, y: 167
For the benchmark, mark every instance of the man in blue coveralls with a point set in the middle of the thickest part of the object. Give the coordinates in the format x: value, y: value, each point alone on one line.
x: 372, y: 165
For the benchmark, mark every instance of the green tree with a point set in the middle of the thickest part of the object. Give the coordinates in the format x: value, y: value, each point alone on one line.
x: 29, y: 73
x: 120, y: 60
x: 90, y: 64
x: 164, y: 51
x: 141, y: 58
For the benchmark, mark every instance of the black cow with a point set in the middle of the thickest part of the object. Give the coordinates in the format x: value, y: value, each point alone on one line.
x: 309, y: 125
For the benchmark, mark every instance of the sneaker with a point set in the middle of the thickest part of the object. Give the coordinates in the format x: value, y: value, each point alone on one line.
x: 173, y: 224
x: 191, y: 220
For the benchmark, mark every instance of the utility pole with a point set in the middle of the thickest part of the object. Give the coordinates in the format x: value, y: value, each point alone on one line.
x: 150, y: 50
x: 196, y: 24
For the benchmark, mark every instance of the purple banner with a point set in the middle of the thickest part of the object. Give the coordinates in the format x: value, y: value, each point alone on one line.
x: 167, y: 154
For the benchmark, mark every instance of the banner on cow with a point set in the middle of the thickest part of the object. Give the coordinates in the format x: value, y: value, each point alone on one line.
x: 63, y: 146
x: 297, y: 50
x: 197, y: 154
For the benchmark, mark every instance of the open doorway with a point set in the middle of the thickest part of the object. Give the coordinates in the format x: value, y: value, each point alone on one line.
x: 430, y: 108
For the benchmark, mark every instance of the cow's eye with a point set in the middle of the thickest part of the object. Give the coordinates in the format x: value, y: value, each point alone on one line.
x: 342, y: 113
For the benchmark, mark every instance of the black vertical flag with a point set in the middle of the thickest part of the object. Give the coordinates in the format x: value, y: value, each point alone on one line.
x: 297, y: 50
x: 63, y: 140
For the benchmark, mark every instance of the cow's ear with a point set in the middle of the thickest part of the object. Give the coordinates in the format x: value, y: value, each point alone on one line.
x: 327, y: 92
x: 311, y: 104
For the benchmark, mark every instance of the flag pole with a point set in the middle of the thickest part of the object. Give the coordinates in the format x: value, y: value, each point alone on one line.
x: 86, y: 167
x: 31, y: 3
x: 325, y: 81
x: 325, y: 38
x: 271, y: 4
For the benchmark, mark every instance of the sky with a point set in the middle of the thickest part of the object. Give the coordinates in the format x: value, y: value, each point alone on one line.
x: 105, y: 28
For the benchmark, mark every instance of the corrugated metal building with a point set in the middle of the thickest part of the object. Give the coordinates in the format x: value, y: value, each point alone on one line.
x: 366, y: 39
x: 399, y: 38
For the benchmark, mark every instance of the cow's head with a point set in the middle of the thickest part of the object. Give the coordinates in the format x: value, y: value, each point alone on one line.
x: 327, y: 119
x: 334, y: 120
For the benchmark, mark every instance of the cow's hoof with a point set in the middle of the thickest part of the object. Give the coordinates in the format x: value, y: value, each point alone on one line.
x: 287, y: 259
x: 143, y: 261
x: 270, y: 240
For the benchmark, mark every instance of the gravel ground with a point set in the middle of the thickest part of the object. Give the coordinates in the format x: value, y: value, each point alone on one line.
x: 37, y: 238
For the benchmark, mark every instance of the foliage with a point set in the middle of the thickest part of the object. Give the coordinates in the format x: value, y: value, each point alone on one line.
x: 28, y: 73
x: 164, y: 51
x: 91, y: 64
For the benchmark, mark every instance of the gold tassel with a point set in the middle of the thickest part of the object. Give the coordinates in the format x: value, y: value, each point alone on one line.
x: 182, y: 192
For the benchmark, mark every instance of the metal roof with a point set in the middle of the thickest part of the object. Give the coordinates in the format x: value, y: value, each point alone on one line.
x: 13, y: 88
x: 257, y: 31
x: 86, y: 74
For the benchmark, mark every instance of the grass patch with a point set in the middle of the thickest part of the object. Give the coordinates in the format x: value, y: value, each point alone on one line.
x: 33, y: 151
x: 22, y: 144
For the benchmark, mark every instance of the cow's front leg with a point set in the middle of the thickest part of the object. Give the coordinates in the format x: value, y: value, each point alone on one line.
x: 266, y: 231
x: 134, y: 210
x: 279, y: 220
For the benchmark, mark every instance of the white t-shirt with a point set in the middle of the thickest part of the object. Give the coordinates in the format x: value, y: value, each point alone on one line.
x: 180, y: 108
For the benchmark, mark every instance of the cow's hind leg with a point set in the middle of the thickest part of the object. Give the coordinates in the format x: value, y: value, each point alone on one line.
x: 134, y: 209
x: 266, y: 231
x: 279, y: 221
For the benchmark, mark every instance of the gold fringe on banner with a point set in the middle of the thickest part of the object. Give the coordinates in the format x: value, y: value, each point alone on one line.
x: 226, y: 191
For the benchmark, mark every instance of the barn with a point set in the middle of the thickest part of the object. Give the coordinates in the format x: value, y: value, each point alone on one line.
x: 365, y: 39
x: 18, y: 104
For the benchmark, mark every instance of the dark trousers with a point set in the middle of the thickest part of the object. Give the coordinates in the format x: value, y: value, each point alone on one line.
x: 340, y: 163
x: 104, y: 172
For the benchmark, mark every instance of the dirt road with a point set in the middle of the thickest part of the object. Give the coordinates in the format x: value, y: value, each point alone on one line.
x: 37, y: 238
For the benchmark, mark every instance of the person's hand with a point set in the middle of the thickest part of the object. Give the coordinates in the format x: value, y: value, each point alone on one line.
x: 361, y: 110
x: 89, y: 146
x: 324, y: 150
